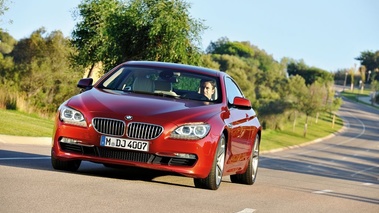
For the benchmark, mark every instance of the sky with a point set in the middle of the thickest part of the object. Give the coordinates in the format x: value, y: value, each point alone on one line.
x: 328, y: 34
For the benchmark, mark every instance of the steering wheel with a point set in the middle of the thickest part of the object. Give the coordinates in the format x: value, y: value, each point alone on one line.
x: 195, y: 96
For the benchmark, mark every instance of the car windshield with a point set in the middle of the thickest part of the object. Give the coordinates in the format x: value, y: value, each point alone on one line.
x: 163, y: 82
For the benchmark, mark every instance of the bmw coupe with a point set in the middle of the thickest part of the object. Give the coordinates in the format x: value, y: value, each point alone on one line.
x: 185, y: 119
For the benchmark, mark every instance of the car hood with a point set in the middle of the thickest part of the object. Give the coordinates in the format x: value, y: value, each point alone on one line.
x: 142, y: 107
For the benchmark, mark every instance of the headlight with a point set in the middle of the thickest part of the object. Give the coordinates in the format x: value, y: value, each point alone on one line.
x: 71, y: 116
x: 191, y: 131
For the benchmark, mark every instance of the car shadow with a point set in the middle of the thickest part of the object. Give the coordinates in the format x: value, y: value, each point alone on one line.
x: 42, y: 162
x: 25, y: 160
x: 332, y: 158
x: 320, y: 166
x: 363, y: 170
x: 133, y: 174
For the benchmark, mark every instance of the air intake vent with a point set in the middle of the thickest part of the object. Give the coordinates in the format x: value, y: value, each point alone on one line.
x: 124, y: 155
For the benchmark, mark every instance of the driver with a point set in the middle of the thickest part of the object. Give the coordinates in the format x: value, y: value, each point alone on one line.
x: 207, y: 88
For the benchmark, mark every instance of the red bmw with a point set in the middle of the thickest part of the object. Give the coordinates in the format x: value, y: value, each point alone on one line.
x: 172, y: 117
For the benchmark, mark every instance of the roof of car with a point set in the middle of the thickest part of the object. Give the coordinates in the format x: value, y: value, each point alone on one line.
x: 175, y: 66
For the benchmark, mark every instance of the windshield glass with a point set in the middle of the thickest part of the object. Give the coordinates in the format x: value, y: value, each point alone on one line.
x: 164, y: 82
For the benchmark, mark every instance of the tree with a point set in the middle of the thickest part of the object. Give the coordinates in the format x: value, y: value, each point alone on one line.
x: 352, y: 74
x: 310, y: 74
x: 370, y: 60
x: 245, y: 50
x: 273, y: 113
x: 225, y: 47
x: 246, y: 86
x: 334, y: 106
x: 240, y: 71
x: 7, y: 42
x: 261, y: 78
x: 113, y: 32
x: 313, y: 102
x: 374, y: 93
x: 43, y: 73
x: 3, y: 7
x: 362, y: 72
x: 206, y: 61
x: 297, y: 94
x: 227, y: 62
x: 90, y: 37
x: 7, y: 100
x: 340, y: 77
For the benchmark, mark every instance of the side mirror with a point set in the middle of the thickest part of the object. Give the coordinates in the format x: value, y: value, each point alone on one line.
x: 240, y: 102
x: 85, y: 84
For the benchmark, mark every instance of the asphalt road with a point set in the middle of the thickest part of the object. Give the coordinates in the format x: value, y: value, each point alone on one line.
x: 337, y: 174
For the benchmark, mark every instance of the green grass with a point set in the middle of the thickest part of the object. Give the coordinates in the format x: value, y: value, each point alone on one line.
x: 273, y: 139
x: 354, y: 95
x: 22, y: 124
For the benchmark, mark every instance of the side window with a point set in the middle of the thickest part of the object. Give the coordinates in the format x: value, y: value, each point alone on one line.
x: 232, y: 90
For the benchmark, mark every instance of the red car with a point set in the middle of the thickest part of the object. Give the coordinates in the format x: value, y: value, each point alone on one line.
x: 185, y: 119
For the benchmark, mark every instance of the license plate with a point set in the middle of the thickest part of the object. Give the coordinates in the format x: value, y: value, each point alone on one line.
x: 124, y: 143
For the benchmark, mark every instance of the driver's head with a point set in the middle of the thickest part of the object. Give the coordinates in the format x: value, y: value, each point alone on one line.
x: 207, y: 88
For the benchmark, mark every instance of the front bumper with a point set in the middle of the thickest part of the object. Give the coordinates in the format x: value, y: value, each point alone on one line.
x: 161, y: 156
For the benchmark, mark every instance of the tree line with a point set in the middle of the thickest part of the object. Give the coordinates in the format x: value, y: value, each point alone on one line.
x: 39, y: 72
x: 366, y: 75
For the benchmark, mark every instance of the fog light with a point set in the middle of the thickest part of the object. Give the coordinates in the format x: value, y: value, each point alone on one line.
x: 177, y: 155
x: 186, y: 156
x: 69, y: 140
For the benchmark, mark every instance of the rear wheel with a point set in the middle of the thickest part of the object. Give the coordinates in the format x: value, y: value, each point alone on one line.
x: 249, y: 176
x: 213, y: 180
x: 70, y: 165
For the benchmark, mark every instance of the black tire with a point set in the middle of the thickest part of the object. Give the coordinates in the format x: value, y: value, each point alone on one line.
x: 70, y: 165
x: 214, y: 178
x: 249, y: 176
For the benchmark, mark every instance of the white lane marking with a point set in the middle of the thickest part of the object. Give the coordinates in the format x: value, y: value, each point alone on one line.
x: 322, y: 191
x: 247, y: 210
x: 367, y: 184
x: 26, y: 158
x: 361, y: 171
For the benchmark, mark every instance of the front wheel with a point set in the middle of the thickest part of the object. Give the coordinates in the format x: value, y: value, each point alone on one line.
x: 70, y: 165
x: 249, y: 176
x: 213, y: 180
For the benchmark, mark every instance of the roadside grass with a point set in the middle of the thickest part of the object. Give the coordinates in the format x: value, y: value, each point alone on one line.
x: 355, y: 95
x: 23, y: 124
x: 13, y: 122
x: 275, y: 139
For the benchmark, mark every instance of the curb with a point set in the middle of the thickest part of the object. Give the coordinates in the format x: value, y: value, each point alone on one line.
x: 10, y: 139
